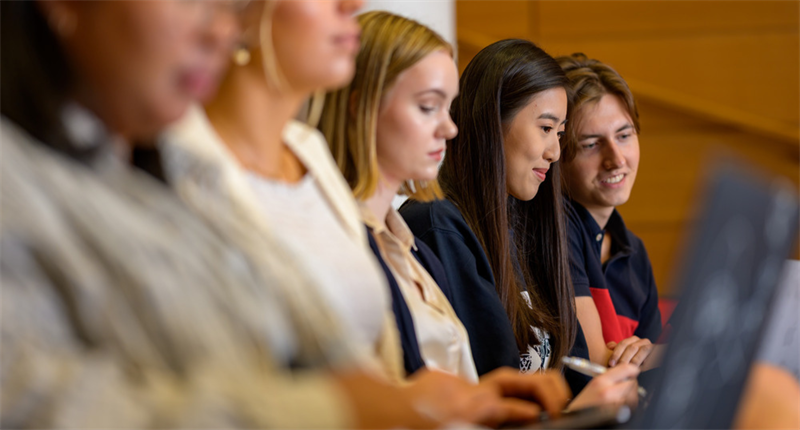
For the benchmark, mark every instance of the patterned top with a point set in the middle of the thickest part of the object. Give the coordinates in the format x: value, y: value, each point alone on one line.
x: 120, y: 308
x: 538, y: 356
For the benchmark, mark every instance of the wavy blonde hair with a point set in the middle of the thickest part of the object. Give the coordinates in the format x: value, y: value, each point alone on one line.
x: 390, y: 44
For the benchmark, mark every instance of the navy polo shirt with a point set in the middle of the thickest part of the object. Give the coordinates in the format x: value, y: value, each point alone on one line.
x: 623, y: 289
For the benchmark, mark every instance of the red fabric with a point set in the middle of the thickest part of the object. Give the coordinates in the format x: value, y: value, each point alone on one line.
x: 615, y: 327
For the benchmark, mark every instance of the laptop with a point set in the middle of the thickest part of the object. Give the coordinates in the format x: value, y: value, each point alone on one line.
x: 728, y: 283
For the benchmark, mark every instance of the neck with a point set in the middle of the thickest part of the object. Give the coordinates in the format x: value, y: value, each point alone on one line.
x: 380, y: 203
x: 601, y: 215
x: 250, y: 116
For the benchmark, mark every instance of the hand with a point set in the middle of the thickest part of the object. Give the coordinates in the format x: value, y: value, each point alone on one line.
x: 448, y: 399
x: 548, y: 389
x: 615, y: 387
x: 631, y: 350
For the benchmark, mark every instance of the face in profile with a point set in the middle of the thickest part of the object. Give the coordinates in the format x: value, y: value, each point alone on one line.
x: 414, y: 121
x: 531, y: 142
x: 604, y: 169
x: 316, y: 42
x: 141, y: 63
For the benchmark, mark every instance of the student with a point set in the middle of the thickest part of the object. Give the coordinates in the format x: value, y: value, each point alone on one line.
x: 499, y: 231
x: 244, y: 158
x: 120, y: 307
x: 616, y: 295
x: 388, y: 131
x: 404, y: 82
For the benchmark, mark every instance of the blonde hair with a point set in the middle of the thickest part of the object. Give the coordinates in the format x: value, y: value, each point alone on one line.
x: 590, y: 80
x: 390, y: 44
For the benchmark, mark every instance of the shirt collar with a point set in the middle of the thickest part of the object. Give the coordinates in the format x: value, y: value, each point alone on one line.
x: 397, y: 227
x: 615, y: 227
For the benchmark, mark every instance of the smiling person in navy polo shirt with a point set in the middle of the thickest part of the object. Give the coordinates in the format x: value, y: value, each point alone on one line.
x: 615, y: 294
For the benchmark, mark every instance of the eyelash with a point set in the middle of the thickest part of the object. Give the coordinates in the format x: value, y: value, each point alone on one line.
x: 427, y: 109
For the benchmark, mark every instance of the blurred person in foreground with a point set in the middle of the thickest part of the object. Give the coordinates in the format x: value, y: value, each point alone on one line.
x: 122, y: 308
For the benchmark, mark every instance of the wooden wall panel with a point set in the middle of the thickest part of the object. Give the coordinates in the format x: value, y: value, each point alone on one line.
x: 713, y: 79
x: 731, y: 61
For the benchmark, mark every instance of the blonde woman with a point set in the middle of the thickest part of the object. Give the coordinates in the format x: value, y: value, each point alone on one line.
x: 243, y: 157
x: 388, y: 131
x: 404, y: 83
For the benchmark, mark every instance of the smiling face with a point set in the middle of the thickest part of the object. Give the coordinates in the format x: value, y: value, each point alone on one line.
x: 414, y: 120
x: 531, y: 142
x: 604, y: 169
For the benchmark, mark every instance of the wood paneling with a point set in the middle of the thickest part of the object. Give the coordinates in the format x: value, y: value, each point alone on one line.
x: 713, y: 79
x: 730, y: 61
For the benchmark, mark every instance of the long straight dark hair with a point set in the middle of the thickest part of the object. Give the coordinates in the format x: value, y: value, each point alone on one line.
x: 36, y: 77
x: 496, y: 85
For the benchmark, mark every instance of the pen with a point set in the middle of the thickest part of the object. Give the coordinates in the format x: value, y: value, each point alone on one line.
x: 586, y: 367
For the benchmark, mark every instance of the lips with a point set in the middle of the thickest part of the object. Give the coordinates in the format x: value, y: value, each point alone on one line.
x: 612, y: 180
x: 437, y: 155
x: 541, y: 173
x: 197, y: 83
x: 350, y: 41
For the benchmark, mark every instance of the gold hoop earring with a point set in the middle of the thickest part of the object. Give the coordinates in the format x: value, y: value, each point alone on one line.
x: 241, y: 56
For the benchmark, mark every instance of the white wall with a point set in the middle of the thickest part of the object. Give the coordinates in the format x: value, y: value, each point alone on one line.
x: 440, y: 15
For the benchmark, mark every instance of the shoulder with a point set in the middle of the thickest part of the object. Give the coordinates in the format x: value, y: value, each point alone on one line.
x: 439, y: 215
x: 298, y: 135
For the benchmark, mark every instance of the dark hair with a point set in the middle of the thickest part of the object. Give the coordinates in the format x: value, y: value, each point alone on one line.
x: 496, y: 85
x: 36, y: 78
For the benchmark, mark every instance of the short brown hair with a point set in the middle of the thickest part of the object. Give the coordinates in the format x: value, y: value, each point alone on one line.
x: 590, y: 80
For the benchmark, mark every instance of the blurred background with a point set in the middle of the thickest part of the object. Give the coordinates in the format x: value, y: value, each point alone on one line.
x: 712, y: 78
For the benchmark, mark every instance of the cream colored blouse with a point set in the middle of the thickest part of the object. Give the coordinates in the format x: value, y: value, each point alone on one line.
x: 443, y: 340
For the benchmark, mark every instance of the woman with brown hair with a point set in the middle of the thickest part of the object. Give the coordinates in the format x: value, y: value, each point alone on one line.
x: 499, y: 230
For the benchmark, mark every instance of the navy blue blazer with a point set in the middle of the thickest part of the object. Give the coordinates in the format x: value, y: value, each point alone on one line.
x: 412, y: 358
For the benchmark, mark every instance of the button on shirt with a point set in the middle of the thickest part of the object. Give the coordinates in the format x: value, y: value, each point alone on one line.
x: 623, y: 289
x: 442, y: 338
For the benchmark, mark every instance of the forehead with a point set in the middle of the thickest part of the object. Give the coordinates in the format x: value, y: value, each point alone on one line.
x: 551, y: 101
x: 436, y: 70
x: 607, y: 114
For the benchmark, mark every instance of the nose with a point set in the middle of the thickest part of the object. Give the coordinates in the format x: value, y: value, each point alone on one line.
x: 552, y: 151
x: 350, y: 6
x: 220, y: 29
x: 613, y: 158
x: 447, y: 130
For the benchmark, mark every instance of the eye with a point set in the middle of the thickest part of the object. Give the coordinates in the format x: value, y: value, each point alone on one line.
x: 547, y: 129
x: 560, y: 135
x: 589, y: 145
x: 427, y: 109
x: 624, y: 136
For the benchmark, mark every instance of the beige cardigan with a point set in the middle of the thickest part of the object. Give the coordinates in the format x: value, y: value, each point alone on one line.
x: 194, y: 138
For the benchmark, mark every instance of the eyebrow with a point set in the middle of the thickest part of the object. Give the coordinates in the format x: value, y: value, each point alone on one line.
x: 589, y: 136
x: 432, y: 90
x: 551, y: 117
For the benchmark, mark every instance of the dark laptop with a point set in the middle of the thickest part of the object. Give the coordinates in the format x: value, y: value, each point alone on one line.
x: 728, y: 283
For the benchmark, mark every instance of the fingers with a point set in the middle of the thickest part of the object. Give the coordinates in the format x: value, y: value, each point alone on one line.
x: 627, y: 349
x: 548, y: 389
x: 611, y: 345
x: 518, y: 411
x: 619, y: 373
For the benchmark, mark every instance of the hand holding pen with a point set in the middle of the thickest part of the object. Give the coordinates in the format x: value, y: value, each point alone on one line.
x: 616, y: 385
x: 586, y: 367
